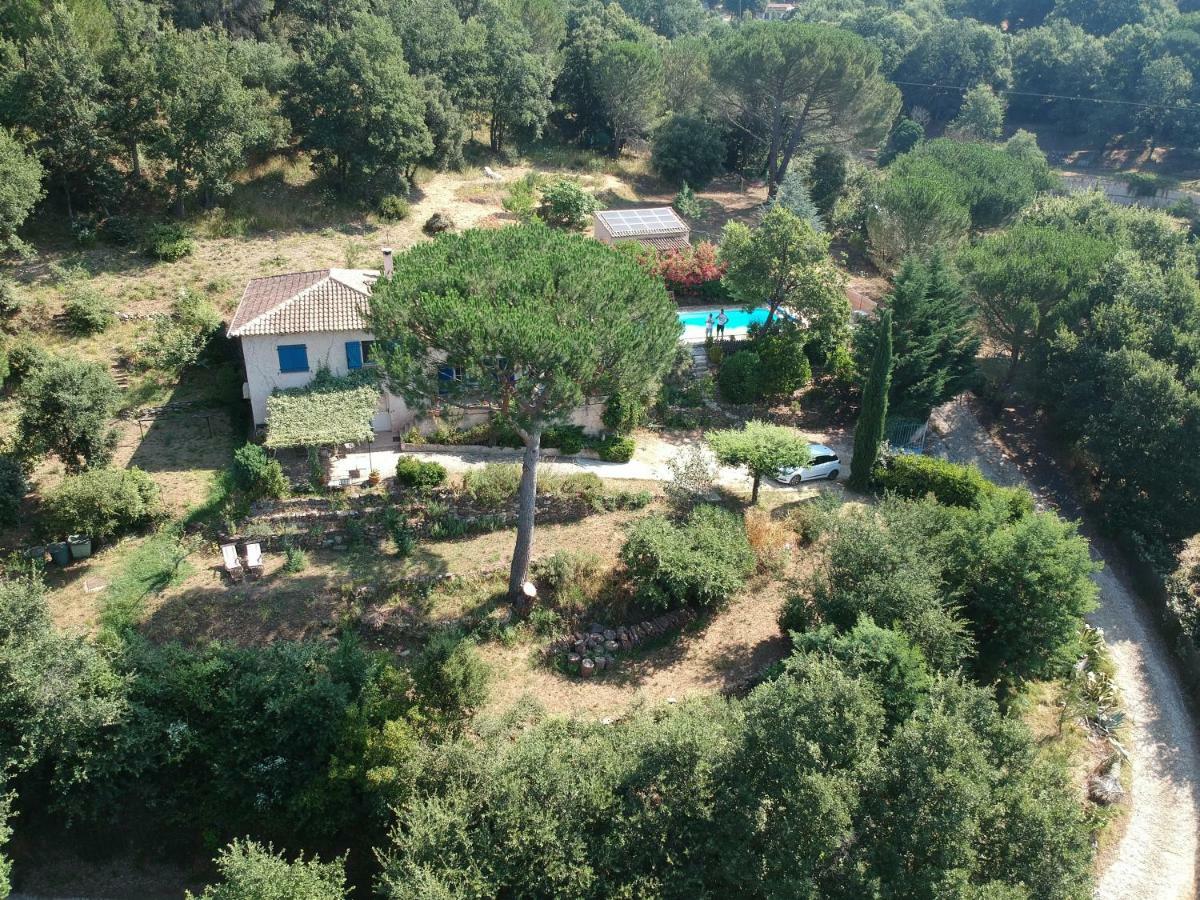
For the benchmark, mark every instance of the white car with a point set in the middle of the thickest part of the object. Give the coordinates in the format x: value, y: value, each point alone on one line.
x: 825, y: 464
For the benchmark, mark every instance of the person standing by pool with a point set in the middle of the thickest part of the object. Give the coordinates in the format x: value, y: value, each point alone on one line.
x: 722, y: 321
x: 708, y: 326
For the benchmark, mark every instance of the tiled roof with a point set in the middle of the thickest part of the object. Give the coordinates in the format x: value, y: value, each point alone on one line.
x: 299, y: 302
x: 669, y: 242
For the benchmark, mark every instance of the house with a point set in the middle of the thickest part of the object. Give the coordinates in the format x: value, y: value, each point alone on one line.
x: 294, y: 325
x: 777, y: 11
x: 660, y: 227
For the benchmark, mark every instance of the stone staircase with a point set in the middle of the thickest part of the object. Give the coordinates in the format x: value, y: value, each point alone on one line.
x: 699, y: 361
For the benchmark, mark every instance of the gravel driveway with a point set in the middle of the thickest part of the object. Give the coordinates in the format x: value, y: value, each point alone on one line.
x: 1156, y: 857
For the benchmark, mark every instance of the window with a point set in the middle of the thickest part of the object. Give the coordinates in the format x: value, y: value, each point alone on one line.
x: 821, y: 460
x: 360, y: 354
x: 293, y: 357
x: 448, y: 374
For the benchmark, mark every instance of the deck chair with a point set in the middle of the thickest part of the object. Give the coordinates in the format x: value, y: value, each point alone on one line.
x: 254, y: 559
x: 233, y: 565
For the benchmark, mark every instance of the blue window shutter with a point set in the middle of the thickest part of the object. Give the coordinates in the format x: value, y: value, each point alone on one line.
x: 354, y: 358
x: 293, y: 357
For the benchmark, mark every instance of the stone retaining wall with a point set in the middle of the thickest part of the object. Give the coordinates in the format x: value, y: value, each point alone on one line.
x: 587, y: 652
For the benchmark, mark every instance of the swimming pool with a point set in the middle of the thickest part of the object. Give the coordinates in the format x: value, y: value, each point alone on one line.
x: 739, y: 321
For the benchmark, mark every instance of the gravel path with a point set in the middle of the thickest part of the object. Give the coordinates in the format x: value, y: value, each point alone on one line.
x: 1156, y: 857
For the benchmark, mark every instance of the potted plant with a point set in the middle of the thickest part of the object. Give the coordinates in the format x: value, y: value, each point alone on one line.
x: 373, y: 477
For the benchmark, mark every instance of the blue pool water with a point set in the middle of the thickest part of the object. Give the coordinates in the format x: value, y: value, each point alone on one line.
x: 739, y: 321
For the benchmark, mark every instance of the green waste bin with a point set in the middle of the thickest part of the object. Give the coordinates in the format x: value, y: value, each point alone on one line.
x: 60, y: 552
x: 81, y: 546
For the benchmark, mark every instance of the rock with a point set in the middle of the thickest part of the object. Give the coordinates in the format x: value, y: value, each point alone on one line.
x: 1105, y: 787
x: 611, y: 646
x: 601, y: 663
x: 597, y: 628
x: 437, y: 223
x: 587, y: 667
x: 609, y: 634
x: 581, y: 647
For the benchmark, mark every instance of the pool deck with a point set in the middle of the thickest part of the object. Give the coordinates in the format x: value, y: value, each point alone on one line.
x: 693, y: 334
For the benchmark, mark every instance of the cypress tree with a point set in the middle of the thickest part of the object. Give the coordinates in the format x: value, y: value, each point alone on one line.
x: 871, y: 417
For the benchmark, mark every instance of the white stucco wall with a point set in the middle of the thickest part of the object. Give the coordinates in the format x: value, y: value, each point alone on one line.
x: 328, y: 349
x: 325, y: 349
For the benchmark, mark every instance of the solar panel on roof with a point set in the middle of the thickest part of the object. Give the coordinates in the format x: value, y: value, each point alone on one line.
x: 641, y: 221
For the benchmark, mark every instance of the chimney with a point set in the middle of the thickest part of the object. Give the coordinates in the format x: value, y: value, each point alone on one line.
x: 387, y: 261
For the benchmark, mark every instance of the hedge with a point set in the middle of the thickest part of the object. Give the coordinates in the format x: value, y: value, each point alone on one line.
x: 951, y: 484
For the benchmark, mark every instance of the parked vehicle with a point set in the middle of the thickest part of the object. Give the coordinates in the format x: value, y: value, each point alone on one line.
x: 825, y: 464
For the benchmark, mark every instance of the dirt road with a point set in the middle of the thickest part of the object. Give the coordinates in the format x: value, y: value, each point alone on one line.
x: 1156, y: 857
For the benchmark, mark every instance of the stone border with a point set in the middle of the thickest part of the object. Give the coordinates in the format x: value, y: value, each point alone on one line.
x: 587, y: 652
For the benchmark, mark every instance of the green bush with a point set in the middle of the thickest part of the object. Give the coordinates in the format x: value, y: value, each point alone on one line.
x: 416, y: 473
x: 702, y: 562
x: 567, y: 439
x: 686, y: 204
x: 450, y: 676
x: 784, y: 367
x: 566, y: 575
x: 567, y: 205
x: 394, y: 208
x: 493, y: 486
x: 257, y: 474
x: 295, y: 559
x: 168, y: 242
x: 178, y: 340
x: 13, y: 488
x: 101, y: 503
x: 616, y: 449
x: 951, y: 484
x: 88, y: 311
x: 623, y: 413
x: 250, y: 871
x: 688, y: 149
x: 25, y: 356
x: 740, y: 379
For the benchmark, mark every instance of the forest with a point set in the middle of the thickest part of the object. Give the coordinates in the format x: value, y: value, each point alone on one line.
x: 376, y: 718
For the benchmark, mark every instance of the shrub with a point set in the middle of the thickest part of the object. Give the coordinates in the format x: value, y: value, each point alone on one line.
x: 450, y: 676
x: 250, y: 871
x: 740, y: 380
x: 585, y: 486
x: 784, y: 367
x: 567, y: 439
x: 168, y: 242
x: 566, y: 576
x: 178, y: 340
x: 623, y: 413
x: 257, y: 474
x: 692, y: 478
x: 13, y: 488
x: 567, y: 205
x: 693, y: 270
x: 438, y: 223
x: 66, y: 405
x: 702, y: 562
x: 1183, y: 590
x: 813, y: 518
x: 394, y: 208
x: 294, y: 560
x: 10, y: 298
x: 493, y: 486
x: 951, y: 484
x: 770, y: 538
x: 616, y: 449
x: 102, y: 503
x: 522, y: 198
x: 25, y: 356
x: 686, y: 204
x: 416, y: 473
x: 88, y: 311
x: 688, y: 149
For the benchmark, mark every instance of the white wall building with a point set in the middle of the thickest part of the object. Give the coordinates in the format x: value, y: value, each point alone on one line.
x: 291, y: 326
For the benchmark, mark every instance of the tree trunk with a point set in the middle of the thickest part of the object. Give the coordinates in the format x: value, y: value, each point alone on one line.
x: 754, y: 490
x: 525, y: 515
x: 135, y: 158
x: 1014, y: 359
x: 67, y: 194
